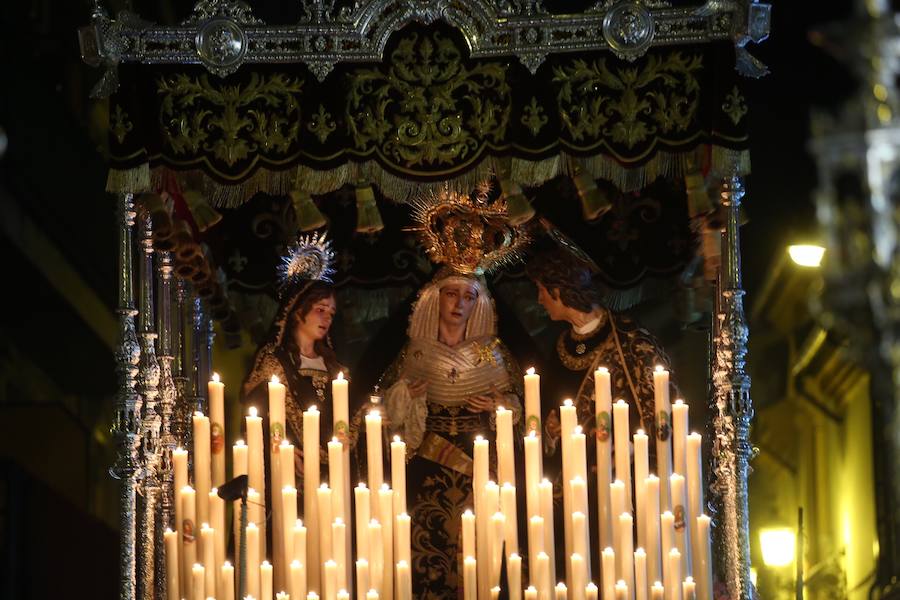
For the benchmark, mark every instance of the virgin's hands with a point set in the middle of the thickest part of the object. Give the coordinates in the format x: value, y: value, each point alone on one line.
x: 484, y: 402
x: 417, y: 387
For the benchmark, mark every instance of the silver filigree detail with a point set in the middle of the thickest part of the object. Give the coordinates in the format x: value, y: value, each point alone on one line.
x: 310, y: 257
x: 629, y: 29
x: 221, y: 45
x: 233, y: 10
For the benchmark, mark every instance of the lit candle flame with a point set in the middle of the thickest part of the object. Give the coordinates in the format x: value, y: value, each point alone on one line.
x: 374, y: 413
x: 198, y: 413
x: 340, y: 376
x: 679, y: 401
x: 659, y: 369
x: 620, y: 401
x: 603, y: 370
x: 577, y: 430
x: 215, y: 377
x: 252, y: 411
x: 530, y: 370
x: 298, y: 523
x: 275, y: 379
x: 312, y: 408
x: 397, y: 439
x: 240, y: 443
x: 567, y: 402
x: 640, y: 432
x: 532, y: 433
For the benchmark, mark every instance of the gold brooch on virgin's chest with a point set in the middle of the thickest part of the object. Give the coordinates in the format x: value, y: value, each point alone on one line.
x: 580, y: 349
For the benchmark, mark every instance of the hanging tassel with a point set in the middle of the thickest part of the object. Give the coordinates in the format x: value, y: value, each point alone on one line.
x: 518, y: 208
x: 697, y: 196
x: 594, y: 201
x: 185, y: 246
x: 308, y: 215
x: 204, y: 215
x: 368, y: 219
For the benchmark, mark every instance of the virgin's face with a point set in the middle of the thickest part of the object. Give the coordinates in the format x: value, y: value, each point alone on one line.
x: 317, y: 322
x: 551, y: 303
x: 457, y: 302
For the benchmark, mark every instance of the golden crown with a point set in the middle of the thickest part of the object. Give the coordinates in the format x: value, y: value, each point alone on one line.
x: 470, y: 233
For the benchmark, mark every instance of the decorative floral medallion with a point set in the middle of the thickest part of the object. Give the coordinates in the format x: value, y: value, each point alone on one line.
x: 221, y: 45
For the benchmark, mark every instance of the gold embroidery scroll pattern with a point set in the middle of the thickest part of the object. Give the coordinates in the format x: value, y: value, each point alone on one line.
x: 628, y: 105
x: 428, y: 107
x: 231, y: 121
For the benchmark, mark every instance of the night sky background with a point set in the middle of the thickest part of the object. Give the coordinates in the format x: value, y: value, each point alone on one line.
x: 57, y: 376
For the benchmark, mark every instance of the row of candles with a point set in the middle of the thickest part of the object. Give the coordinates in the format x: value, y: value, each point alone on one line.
x: 661, y: 513
x: 311, y: 559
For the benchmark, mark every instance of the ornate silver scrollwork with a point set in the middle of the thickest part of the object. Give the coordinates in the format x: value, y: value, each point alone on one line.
x: 628, y: 29
x: 167, y: 396
x: 224, y: 34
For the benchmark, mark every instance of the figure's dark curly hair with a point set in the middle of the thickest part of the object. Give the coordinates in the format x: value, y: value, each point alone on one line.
x: 573, y: 278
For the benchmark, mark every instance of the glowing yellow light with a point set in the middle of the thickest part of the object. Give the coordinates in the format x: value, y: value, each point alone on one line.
x: 753, y: 576
x: 215, y: 377
x: 880, y: 92
x: 777, y: 546
x: 806, y: 255
x: 884, y: 113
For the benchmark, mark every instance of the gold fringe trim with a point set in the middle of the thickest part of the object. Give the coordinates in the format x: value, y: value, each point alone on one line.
x: 135, y: 181
x: 721, y: 161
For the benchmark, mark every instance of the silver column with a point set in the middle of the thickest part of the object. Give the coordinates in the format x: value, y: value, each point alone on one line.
x: 167, y: 395
x: 732, y: 411
x: 148, y: 388
x: 127, y: 421
x: 181, y: 372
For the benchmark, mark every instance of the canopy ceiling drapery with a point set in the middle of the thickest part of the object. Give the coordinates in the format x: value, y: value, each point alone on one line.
x: 429, y: 115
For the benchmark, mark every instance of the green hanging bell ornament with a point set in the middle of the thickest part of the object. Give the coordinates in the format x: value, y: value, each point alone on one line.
x: 368, y: 219
x: 697, y: 196
x: 205, y: 216
x: 518, y: 208
x: 308, y: 215
x: 594, y: 201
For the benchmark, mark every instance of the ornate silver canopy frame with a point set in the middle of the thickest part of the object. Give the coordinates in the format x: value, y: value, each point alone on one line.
x: 224, y: 34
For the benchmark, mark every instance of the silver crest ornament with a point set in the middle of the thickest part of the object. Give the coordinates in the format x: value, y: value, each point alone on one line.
x: 221, y: 45
x: 629, y: 29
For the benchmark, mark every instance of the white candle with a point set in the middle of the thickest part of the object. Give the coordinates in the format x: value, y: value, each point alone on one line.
x: 363, y: 581
x: 480, y: 455
x: 289, y: 521
x: 339, y: 540
x: 621, y: 434
x: 326, y: 545
x: 198, y: 582
x: 495, y: 546
x: 508, y: 508
x: 376, y: 549
x: 386, y: 503
x: 654, y: 568
x: 568, y: 420
x: 300, y: 543
x: 608, y: 567
x: 208, y: 535
x: 514, y: 576
x: 374, y: 458
x: 470, y: 579
x: 689, y: 589
x: 679, y: 437
x: 277, y: 393
x: 603, y: 436
x: 265, y: 580
x: 621, y: 590
x: 657, y: 592
x: 506, y: 469
x: 216, y: 391
x: 617, y: 505
x: 694, y: 506
x: 255, y: 511
x: 468, y: 532
x: 591, y: 592
x: 579, y: 537
x: 667, y: 544
x: 663, y: 434
x: 202, y: 465
x: 217, y: 522
x: 188, y: 503
x: 286, y: 462
x: 253, y: 581
x: 404, y: 581
x: 311, y: 481
x: 343, y: 595
x: 226, y: 580
x: 336, y: 478
x: 703, y: 572
x: 398, y: 474
x: 532, y: 473
x: 297, y: 580
x: 238, y: 467
x: 341, y: 421
x: 180, y: 466
x: 579, y: 576
x: 581, y: 542
x: 626, y: 550
x: 673, y: 584
x: 330, y: 579
x: 531, y: 593
x: 640, y: 574
x: 363, y: 501
x: 532, y: 402
x: 641, y: 472
x: 255, y: 467
x: 561, y: 591
x: 312, y: 596
x: 682, y: 540
x: 171, y: 544
x: 546, y: 499
x: 545, y: 583
x: 372, y: 595
x: 536, y: 543
x: 402, y: 536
